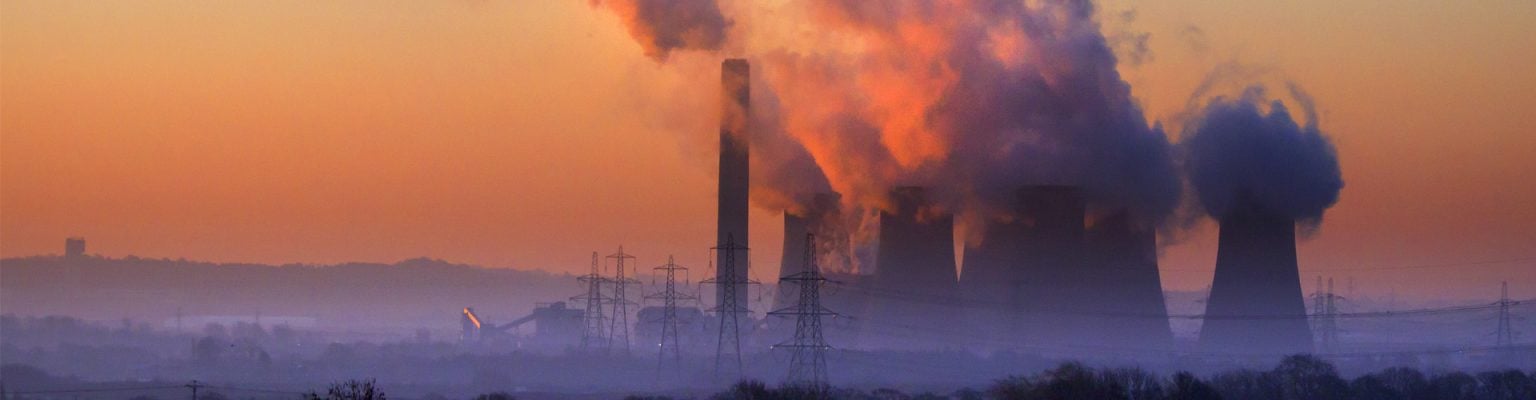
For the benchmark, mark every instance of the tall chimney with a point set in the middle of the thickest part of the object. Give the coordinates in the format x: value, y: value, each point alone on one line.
x: 915, y: 273
x: 1255, y: 304
x: 735, y: 142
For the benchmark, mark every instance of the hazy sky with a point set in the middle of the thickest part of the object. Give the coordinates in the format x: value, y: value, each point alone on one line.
x: 505, y: 133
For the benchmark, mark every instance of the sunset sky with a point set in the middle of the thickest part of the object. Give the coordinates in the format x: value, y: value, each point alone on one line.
x: 522, y: 134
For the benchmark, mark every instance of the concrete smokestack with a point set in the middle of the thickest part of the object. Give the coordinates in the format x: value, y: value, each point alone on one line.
x: 1124, y: 299
x: 915, y: 272
x: 735, y: 146
x: 1256, y: 304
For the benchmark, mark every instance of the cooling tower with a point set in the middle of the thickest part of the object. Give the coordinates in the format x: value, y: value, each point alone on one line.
x: 1050, y: 273
x: 991, y: 281
x: 1123, y: 302
x: 1255, y: 305
x: 734, y: 149
x: 915, y: 287
x: 821, y: 216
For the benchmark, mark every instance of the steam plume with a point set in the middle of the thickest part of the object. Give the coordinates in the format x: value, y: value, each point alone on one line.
x: 1237, y: 152
x: 971, y: 99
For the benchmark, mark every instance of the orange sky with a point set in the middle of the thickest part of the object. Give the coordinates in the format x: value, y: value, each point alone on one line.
x: 507, y: 133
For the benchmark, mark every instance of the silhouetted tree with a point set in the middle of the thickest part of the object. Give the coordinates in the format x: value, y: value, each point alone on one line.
x: 1370, y: 387
x: 1305, y: 377
x: 1013, y: 387
x: 967, y: 394
x: 1066, y: 382
x: 495, y: 396
x: 746, y: 390
x: 1137, y: 383
x: 1453, y: 386
x: 349, y: 390
x: 1185, y: 386
x: 1246, y: 384
x: 1407, y: 381
x: 206, y: 351
x: 1505, y: 385
x: 888, y: 394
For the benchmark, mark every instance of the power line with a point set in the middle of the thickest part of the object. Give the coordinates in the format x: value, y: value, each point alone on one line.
x: 239, y: 389
x: 976, y: 303
x: 958, y: 335
x: 94, y: 390
x: 1386, y: 267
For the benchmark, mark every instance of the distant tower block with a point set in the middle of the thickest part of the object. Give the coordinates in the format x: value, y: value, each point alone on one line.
x: 1256, y: 276
x: 735, y: 141
x: 1124, y: 300
x: 1051, y: 271
x: 74, y: 247
x: 916, y: 289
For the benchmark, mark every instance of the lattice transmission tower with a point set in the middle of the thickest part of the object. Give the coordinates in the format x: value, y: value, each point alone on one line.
x: 592, y: 333
x: 729, y: 310
x: 1505, y: 335
x: 1325, y: 310
x: 808, y: 349
x: 619, y: 331
x: 669, y: 295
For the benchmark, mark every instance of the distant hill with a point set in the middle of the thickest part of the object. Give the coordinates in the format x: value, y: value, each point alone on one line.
x: 363, y: 298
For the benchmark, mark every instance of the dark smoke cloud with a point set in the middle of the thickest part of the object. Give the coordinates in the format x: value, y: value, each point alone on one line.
x: 1237, y: 152
x: 664, y: 26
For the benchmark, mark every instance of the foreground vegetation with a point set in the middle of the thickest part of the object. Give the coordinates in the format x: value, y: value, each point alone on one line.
x: 1298, y: 377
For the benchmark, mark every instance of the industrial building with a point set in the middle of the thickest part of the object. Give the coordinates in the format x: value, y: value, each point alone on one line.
x: 554, y: 327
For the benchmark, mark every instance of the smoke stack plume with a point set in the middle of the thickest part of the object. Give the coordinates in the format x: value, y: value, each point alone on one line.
x: 735, y: 146
x: 915, y: 269
x: 662, y: 27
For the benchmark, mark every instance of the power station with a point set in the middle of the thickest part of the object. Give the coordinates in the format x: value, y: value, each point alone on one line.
x: 1055, y: 269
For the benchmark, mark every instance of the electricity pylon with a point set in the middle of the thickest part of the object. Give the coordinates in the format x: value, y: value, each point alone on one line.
x: 669, y: 297
x: 1505, y: 334
x: 620, y: 328
x: 592, y: 333
x: 1325, y: 309
x: 729, y: 309
x: 808, y: 358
